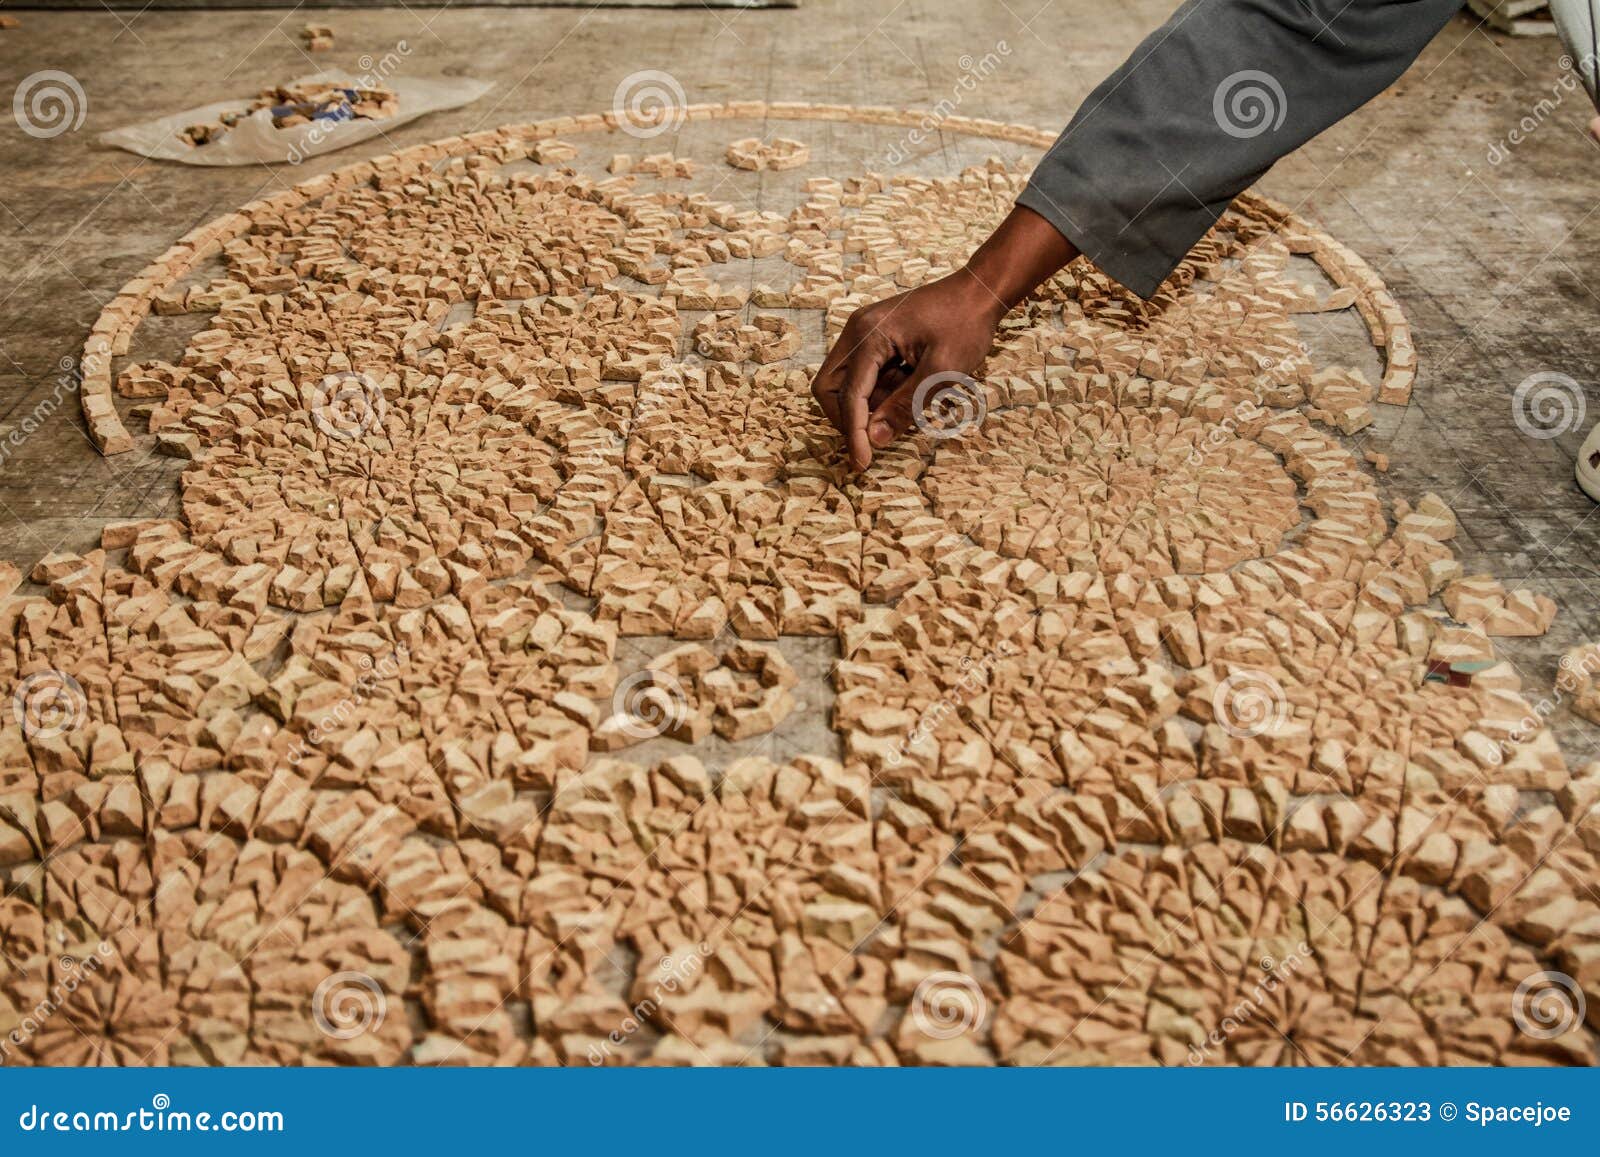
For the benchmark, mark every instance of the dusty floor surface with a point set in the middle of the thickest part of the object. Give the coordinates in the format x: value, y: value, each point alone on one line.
x: 1481, y: 256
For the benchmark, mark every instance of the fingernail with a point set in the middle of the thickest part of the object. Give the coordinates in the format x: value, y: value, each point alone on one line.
x: 880, y: 433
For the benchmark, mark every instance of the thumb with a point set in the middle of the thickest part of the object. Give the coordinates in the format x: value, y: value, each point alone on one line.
x: 893, y: 416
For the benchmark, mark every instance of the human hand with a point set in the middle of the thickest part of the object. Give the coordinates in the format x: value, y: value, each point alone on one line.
x: 867, y: 385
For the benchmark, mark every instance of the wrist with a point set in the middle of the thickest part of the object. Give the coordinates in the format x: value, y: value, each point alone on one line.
x: 978, y: 296
x: 1022, y: 254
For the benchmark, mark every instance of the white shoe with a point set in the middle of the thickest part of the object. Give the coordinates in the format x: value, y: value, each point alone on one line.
x: 1588, y: 470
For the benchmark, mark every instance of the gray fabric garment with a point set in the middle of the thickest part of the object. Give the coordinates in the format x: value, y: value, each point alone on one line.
x: 1203, y: 108
x: 1578, y: 23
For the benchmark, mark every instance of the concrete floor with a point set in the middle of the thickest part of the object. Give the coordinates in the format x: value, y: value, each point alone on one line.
x: 1487, y: 259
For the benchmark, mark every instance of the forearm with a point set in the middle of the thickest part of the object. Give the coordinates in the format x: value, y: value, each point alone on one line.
x: 1019, y: 256
x: 1204, y: 107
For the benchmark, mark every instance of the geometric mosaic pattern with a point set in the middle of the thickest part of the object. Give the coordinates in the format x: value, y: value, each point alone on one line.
x: 1151, y: 738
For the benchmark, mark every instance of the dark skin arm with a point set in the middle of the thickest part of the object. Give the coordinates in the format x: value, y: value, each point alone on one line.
x: 867, y: 381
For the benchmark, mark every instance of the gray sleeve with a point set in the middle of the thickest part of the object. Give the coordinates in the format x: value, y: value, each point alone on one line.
x: 1203, y: 107
x: 1578, y: 23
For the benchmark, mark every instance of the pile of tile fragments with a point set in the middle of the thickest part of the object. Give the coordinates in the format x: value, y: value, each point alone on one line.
x: 1132, y: 711
x: 780, y: 153
x: 300, y: 104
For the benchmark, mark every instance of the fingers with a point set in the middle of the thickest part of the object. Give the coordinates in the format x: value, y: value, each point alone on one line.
x: 890, y: 379
x: 829, y: 383
x: 852, y: 379
x: 828, y: 394
x: 825, y: 389
x: 892, y: 417
x: 896, y: 414
x: 861, y: 375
